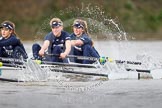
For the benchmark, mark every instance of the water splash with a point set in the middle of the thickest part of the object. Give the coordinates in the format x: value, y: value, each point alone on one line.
x: 100, y: 24
x: 148, y: 61
x: 33, y: 72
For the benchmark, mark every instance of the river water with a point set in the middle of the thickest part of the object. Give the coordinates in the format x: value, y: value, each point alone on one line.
x: 144, y: 93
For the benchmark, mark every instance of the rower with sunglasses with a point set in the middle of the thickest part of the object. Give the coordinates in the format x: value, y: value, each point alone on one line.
x: 82, y: 44
x: 56, y: 42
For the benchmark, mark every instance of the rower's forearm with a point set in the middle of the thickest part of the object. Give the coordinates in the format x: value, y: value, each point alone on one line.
x: 76, y: 42
x: 68, y: 47
x: 72, y: 42
x: 45, y: 45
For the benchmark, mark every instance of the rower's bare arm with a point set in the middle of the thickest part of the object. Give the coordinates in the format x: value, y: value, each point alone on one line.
x: 67, y: 50
x: 72, y: 42
x: 76, y: 42
x: 44, y: 47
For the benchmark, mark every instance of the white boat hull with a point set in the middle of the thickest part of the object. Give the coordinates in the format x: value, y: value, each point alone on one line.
x: 41, y: 72
x: 18, y: 74
x: 10, y: 75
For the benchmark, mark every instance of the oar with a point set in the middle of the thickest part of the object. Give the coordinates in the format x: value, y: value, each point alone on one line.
x: 101, y: 59
x: 9, y: 68
x: 11, y: 60
x: 77, y: 57
x: 128, y: 62
x: 11, y: 65
x: 78, y: 72
x: 155, y: 73
x: 48, y: 63
x: 10, y: 80
x: 139, y: 70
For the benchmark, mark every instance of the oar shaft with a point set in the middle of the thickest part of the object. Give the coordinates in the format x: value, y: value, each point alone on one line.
x: 10, y: 68
x: 128, y: 62
x: 77, y: 72
x: 103, y: 59
x: 75, y: 56
x: 11, y: 60
x: 12, y: 65
x: 66, y: 64
x: 139, y: 70
x: 10, y: 80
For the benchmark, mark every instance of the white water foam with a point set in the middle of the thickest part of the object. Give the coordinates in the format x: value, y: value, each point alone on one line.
x: 33, y: 72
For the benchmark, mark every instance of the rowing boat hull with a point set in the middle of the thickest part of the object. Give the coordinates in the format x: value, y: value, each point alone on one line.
x: 10, y: 75
x: 19, y: 74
